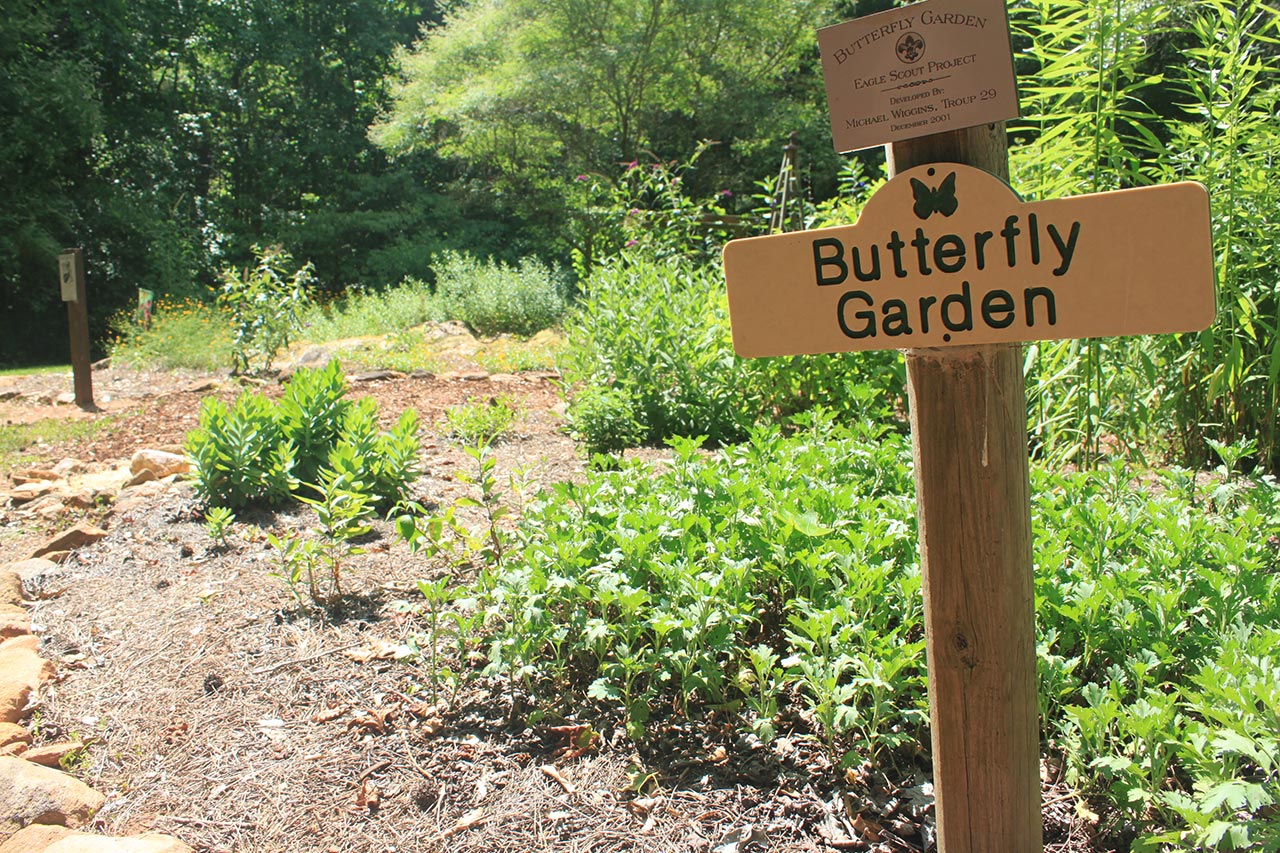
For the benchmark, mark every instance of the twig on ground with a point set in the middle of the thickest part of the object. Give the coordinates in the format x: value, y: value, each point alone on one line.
x: 263, y: 670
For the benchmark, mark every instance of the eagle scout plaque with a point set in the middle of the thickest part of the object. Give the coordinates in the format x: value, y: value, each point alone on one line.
x: 948, y: 255
x: 918, y: 70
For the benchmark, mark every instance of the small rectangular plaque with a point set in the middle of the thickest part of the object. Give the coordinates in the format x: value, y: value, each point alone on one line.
x: 67, y: 275
x: 926, y: 68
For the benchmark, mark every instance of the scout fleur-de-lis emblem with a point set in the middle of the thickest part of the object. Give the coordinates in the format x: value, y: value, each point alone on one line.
x: 910, y: 47
x: 930, y: 200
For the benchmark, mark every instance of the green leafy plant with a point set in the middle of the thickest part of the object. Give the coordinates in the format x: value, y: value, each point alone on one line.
x: 649, y: 348
x: 265, y: 302
x: 217, y: 523
x: 342, y: 507
x: 481, y: 422
x: 493, y: 298
x: 239, y: 455
x: 257, y: 452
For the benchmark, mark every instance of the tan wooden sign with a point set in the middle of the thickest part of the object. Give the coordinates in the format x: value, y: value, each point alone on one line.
x: 947, y: 255
x: 918, y: 70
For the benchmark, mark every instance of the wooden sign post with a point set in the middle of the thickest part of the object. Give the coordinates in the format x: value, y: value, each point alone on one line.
x: 973, y: 502
x: 947, y: 264
x: 72, y: 286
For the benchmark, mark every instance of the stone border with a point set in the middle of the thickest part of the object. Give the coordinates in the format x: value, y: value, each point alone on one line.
x: 42, y: 807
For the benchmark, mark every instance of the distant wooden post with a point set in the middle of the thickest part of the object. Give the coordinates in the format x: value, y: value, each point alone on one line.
x: 71, y: 281
x: 969, y: 436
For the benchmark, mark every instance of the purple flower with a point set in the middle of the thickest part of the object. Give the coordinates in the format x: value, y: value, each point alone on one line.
x: 580, y: 178
x: 630, y: 243
x: 635, y: 211
x: 634, y: 164
x: 726, y: 193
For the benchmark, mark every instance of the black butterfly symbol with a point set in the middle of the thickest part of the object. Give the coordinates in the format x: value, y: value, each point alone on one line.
x: 930, y: 201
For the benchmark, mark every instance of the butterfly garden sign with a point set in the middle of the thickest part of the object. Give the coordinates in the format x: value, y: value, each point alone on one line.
x: 947, y: 254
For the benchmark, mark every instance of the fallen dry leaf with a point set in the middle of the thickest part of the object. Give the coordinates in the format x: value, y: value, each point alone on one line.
x: 381, y: 650
x: 374, y: 719
x: 552, y: 773
x: 329, y: 714
x: 472, y: 818
x: 368, y: 796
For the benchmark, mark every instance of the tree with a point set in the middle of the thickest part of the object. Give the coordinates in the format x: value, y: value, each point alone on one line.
x: 534, y: 92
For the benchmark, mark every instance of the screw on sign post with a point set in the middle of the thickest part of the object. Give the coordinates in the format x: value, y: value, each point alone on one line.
x: 71, y: 284
x: 947, y: 264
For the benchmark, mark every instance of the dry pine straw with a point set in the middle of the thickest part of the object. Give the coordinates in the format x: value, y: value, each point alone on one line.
x: 224, y: 716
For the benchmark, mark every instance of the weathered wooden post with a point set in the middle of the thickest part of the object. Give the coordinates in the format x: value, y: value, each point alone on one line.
x: 969, y: 437
x: 948, y: 265
x: 71, y: 282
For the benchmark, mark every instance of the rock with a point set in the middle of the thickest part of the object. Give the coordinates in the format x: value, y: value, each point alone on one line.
x: 465, y: 375
x: 58, y: 557
x: 30, y: 491
x: 37, y: 575
x: 33, y: 475
x: 12, y: 733
x: 82, y: 499
x: 158, y: 462
x: 13, y: 749
x: 30, y: 794
x: 34, y: 839
x: 14, y: 622
x: 10, y: 587
x: 101, y: 364
x: 9, y: 392
x: 375, y: 375
x: 82, y: 534
x: 57, y: 839
x: 51, y: 754
x: 317, y: 356
x: 146, y: 475
x: 66, y: 398
x: 69, y: 466
x: 201, y: 386
x: 422, y: 374
x: 22, y: 670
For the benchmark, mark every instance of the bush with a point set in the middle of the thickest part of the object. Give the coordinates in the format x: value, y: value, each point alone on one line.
x: 265, y: 304
x: 656, y: 333
x: 494, y: 298
x: 183, y: 334
x: 254, y: 452
x: 372, y: 312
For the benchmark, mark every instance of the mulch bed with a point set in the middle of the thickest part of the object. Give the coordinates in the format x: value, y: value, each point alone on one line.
x: 222, y: 712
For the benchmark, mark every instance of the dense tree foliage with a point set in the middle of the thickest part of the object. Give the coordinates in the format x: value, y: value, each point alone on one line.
x: 168, y: 138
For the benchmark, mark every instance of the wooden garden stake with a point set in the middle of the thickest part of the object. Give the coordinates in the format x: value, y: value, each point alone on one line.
x: 969, y: 438
x: 72, y: 286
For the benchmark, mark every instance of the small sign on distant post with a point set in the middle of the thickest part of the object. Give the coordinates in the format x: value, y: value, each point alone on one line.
x: 71, y: 283
x: 67, y: 275
x: 919, y: 70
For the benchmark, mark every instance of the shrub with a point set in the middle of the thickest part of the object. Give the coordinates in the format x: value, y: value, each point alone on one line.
x: 372, y: 312
x: 183, y: 334
x: 657, y: 333
x: 494, y: 298
x: 254, y: 452
x: 265, y: 304
x: 603, y: 419
x: 484, y: 423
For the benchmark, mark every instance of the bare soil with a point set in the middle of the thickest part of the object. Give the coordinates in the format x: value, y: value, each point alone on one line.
x: 217, y: 709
